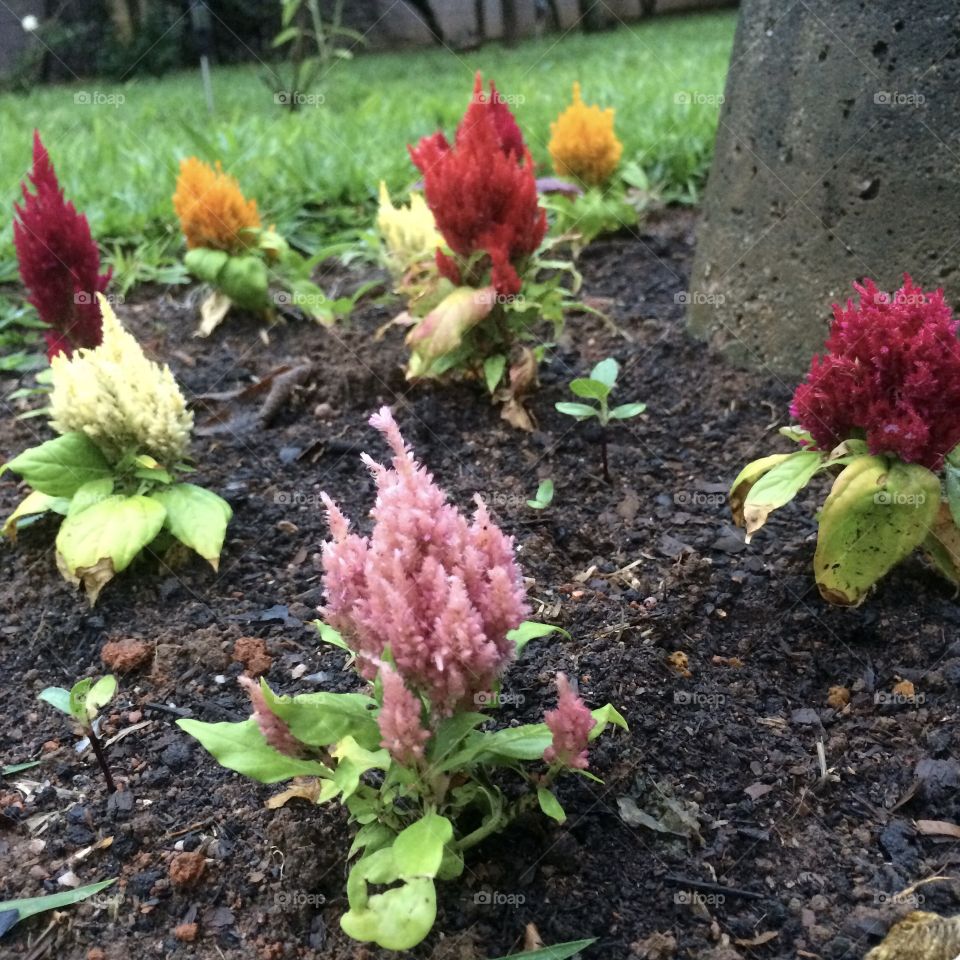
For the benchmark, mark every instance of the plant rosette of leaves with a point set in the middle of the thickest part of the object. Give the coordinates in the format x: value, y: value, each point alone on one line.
x: 580, y: 218
x: 266, y: 277
x: 879, y: 510
x: 411, y: 818
x: 115, y: 499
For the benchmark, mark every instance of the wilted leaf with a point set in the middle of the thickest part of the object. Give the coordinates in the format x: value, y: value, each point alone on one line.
x: 938, y: 828
x: 212, y: 312
x: 308, y: 789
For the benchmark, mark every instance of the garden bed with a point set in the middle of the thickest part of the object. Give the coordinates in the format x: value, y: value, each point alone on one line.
x: 635, y: 570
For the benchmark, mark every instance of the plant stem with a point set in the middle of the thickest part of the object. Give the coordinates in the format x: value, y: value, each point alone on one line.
x: 102, y: 760
x: 603, y: 453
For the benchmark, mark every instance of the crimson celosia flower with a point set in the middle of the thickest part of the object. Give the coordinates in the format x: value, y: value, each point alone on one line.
x: 59, y: 261
x: 399, y: 720
x: 482, y: 191
x: 891, y: 376
x: 274, y: 730
x: 570, y: 724
x: 440, y: 592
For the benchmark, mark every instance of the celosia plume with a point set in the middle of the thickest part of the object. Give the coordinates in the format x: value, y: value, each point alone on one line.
x: 213, y: 213
x: 439, y: 592
x: 409, y: 233
x: 482, y: 191
x: 571, y: 724
x: 583, y: 144
x: 891, y: 375
x: 274, y: 730
x: 121, y: 400
x: 59, y: 261
x: 399, y: 720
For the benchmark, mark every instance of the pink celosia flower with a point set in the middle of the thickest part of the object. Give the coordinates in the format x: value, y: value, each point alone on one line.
x: 399, y: 720
x: 440, y: 592
x: 59, y: 260
x: 274, y: 730
x: 570, y: 725
x: 891, y: 375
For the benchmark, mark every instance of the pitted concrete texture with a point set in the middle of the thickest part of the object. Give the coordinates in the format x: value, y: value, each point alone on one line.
x: 837, y: 157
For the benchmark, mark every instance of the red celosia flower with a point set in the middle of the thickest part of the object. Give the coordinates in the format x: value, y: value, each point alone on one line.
x: 59, y: 261
x: 482, y: 190
x: 891, y: 376
x: 571, y: 724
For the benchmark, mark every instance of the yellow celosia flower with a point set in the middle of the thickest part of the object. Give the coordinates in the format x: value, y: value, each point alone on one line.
x: 410, y: 233
x: 583, y: 144
x: 213, y: 212
x: 122, y: 401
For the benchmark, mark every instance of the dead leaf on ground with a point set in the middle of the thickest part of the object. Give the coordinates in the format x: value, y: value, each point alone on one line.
x: 938, y: 828
x: 305, y: 789
x: 904, y: 689
x: 679, y: 662
x: 838, y: 697
x: 531, y: 938
x: 212, y: 312
x: 759, y: 940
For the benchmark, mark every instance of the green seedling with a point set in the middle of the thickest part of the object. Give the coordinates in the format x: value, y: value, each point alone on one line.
x: 82, y: 704
x: 544, y: 496
x: 13, y: 911
x: 598, y: 386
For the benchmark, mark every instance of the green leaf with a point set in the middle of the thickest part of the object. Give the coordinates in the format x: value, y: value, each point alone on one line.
x: 11, y: 768
x: 197, y: 517
x: 241, y: 747
x: 581, y: 411
x: 285, y: 36
x: 418, y: 849
x: 371, y: 837
x: 589, y: 389
x: 559, y: 951
x: 92, y: 492
x: 331, y: 636
x: 550, y: 805
x: 451, y: 733
x: 61, y: 466
x: 103, y: 539
x: 627, y: 410
x: 319, y: 719
x: 607, y: 714
x: 531, y: 630
x: 100, y: 694
x: 777, y: 487
x: 952, y: 476
x: 205, y: 264
x: 34, y: 504
x: 877, y: 513
x: 57, y: 697
x: 544, y: 496
x: 397, y: 919
x: 245, y: 281
x: 516, y: 743
x: 493, y: 368
x: 30, y: 906
x: 606, y: 372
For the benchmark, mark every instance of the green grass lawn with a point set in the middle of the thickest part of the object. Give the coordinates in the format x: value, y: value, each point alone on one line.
x: 316, y: 171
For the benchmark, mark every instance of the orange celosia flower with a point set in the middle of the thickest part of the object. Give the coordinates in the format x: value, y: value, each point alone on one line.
x: 213, y: 212
x: 583, y: 144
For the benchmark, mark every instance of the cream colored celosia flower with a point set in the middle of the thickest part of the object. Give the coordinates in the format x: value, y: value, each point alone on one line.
x: 410, y: 233
x: 122, y: 401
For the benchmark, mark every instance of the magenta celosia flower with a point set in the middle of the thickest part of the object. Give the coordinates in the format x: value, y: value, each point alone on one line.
x: 59, y: 261
x: 274, y: 730
x: 570, y: 725
x: 399, y: 720
x: 891, y: 376
x: 441, y: 592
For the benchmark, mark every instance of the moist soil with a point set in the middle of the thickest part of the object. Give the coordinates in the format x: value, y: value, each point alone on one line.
x: 743, y: 815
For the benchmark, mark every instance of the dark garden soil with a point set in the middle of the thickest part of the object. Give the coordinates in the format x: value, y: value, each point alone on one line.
x: 764, y: 854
